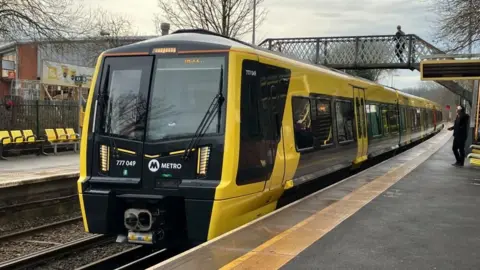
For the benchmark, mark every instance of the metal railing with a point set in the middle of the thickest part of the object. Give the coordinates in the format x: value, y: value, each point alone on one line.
x: 38, y: 115
x: 364, y: 52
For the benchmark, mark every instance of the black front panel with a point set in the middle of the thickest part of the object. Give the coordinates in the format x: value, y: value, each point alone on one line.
x: 263, y: 93
x: 173, y: 166
x: 104, y: 215
x: 127, y: 57
x: 198, y: 213
x: 161, y: 126
x: 186, y: 113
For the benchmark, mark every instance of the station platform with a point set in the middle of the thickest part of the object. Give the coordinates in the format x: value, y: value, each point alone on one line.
x: 31, y: 169
x: 412, y: 211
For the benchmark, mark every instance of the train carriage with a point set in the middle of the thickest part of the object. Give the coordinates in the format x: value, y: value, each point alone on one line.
x: 193, y: 134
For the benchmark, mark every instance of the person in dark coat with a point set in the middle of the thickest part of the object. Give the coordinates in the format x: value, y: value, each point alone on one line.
x: 400, y: 47
x: 460, y: 134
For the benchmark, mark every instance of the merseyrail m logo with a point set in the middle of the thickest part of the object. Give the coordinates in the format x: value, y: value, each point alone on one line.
x: 153, y: 165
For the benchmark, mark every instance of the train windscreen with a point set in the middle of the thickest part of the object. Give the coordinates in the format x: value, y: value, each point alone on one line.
x: 182, y: 90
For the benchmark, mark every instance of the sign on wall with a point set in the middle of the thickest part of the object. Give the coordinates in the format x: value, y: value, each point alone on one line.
x: 65, y: 74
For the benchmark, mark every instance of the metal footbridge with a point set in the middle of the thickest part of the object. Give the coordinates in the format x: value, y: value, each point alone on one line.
x: 365, y: 52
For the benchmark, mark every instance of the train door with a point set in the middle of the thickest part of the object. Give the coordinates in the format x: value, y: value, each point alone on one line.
x: 263, y: 94
x: 274, y: 87
x: 361, y: 121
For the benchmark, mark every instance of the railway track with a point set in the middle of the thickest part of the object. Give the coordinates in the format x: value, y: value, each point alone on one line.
x: 38, y: 229
x: 22, y: 206
x: 138, y: 257
x: 47, y: 254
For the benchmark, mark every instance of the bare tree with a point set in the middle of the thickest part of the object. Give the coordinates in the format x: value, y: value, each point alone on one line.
x: 232, y: 18
x: 111, y: 25
x: 434, y: 92
x: 40, y: 19
x: 103, y: 30
x: 458, y: 24
x: 107, y: 30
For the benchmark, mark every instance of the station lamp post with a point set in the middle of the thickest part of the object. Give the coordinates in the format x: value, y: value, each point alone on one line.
x: 254, y: 17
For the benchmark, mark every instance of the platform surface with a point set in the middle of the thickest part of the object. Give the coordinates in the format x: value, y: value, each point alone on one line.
x: 413, y: 211
x: 30, y: 169
x: 430, y: 219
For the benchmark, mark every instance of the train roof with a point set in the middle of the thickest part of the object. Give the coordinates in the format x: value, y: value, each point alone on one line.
x: 204, y: 39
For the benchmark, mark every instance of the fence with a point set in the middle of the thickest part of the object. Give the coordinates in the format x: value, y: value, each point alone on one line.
x: 38, y: 115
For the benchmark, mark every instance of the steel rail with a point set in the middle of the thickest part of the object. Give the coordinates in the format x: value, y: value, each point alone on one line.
x: 38, y: 229
x: 56, y: 251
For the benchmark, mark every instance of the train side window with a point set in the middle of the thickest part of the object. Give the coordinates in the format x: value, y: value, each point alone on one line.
x: 384, y: 110
x: 344, y: 118
x: 402, y: 119
x: 322, y: 123
x: 418, y: 118
x: 413, y: 117
x: 302, y: 123
x: 374, y: 123
x: 392, y: 118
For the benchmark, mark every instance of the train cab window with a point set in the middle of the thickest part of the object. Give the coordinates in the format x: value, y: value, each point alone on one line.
x: 374, y: 123
x: 123, y: 96
x: 322, y: 123
x: 181, y: 93
x: 344, y: 118
x: 302, y: 122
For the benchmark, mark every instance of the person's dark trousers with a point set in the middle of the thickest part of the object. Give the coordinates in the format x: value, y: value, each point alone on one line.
x: 459, y: 150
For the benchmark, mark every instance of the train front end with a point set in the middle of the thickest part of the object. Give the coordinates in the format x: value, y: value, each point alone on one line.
x: 154, y: 141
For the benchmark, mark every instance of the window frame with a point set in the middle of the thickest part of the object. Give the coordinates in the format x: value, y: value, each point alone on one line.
x: 221, y: 118
x: 354, y: 135
x: 307, y: 149
x: 329, y: 100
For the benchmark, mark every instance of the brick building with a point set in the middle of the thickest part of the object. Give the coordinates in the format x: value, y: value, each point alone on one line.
x: 36, y: 62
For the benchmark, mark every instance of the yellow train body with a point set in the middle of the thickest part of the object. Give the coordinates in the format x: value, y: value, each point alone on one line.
x: 319, y: 121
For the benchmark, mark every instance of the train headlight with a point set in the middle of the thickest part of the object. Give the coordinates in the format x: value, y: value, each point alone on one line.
x: 104, y: 158
x: 203, y: 158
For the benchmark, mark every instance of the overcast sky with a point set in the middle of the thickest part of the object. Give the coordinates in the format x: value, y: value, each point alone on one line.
x: 291, y: 18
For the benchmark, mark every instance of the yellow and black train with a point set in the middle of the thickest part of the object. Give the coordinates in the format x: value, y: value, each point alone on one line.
x: 190, y: 135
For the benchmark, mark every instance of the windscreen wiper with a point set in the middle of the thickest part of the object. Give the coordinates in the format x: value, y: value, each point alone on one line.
x: 213, y: 109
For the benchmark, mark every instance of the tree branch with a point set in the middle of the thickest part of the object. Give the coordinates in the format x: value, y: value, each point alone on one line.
x: 233, y: 18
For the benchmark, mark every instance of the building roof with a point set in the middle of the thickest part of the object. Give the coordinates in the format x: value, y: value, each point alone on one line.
x: 6, y: 46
